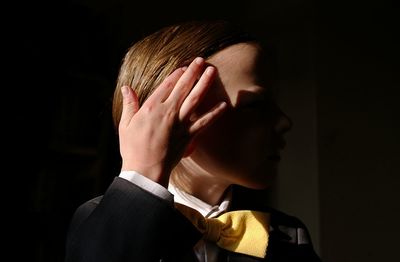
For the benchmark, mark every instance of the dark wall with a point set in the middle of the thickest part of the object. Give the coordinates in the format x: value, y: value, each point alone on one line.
x: 65, y: 62
x: 358, y: 126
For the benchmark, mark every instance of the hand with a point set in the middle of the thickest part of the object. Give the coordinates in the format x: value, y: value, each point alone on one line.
x: 154, y: 138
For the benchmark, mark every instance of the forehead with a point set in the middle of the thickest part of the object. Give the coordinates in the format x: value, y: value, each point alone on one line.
x: 241, y: 67
x: 243, y: 57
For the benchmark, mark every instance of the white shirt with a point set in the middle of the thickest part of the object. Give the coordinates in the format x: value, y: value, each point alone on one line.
x: 205, y: 251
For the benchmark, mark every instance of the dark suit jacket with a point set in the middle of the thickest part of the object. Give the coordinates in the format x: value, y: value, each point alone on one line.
x: 131, y: 224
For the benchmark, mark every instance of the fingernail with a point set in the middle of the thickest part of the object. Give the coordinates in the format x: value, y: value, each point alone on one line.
x: 199, y: 60
x: 124, y: 91
x: 184, y: 68
x: 209, y: 70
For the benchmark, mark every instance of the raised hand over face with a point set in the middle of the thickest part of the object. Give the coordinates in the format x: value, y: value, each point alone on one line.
x: 154, y: 137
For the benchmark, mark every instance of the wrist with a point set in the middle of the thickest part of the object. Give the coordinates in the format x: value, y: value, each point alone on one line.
x: 155, y: 173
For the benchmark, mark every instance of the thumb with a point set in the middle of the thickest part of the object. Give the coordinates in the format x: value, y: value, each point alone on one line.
x: 130, y: 104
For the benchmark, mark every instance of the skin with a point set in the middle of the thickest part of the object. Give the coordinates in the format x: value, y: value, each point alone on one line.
x: 178, y: 121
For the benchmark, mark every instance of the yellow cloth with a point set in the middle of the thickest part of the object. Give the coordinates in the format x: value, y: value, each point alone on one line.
x: 243, y: 231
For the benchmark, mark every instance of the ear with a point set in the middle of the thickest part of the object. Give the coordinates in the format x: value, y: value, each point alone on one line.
x: 190, y: 148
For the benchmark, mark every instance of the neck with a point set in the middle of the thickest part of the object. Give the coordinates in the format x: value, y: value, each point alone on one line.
x: 199, y: 183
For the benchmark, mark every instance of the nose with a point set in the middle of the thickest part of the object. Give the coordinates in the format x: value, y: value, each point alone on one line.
x: 283, y: 122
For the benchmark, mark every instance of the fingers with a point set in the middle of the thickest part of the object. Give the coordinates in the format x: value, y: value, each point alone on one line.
x: 163, y: 91
x: 206, y: 119
x: 196, y: 95
x: 130, y: 104
x: 186, y: 82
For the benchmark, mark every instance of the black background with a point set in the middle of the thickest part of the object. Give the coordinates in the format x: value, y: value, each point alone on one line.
x: 62, y: 62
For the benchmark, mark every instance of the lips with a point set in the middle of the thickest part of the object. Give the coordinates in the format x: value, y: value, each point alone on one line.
x: 280, y: 144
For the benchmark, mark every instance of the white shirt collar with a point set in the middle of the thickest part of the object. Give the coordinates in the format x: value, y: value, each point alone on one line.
x: 204, y: 208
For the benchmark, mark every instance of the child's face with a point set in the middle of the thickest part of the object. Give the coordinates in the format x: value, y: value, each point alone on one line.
x: 243, y: 146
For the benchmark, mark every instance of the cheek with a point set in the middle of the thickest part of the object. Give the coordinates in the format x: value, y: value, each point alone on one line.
x: 252, y: 135
x: 219, y: 142
x: 238, y: 152
x: 236, y: 142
